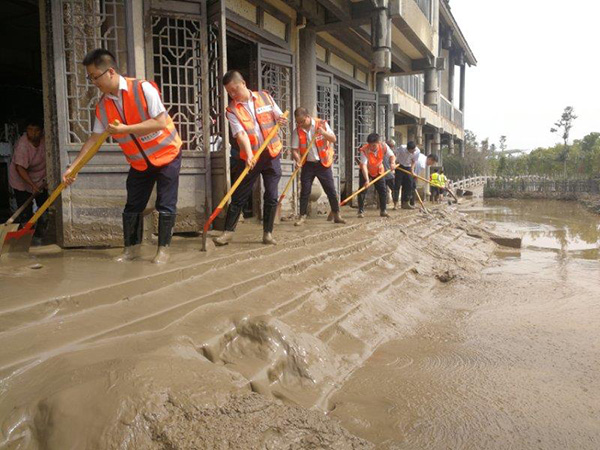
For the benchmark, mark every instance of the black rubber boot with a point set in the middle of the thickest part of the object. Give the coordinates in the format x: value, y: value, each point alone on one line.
x: 233, y: 215
x: 133, y: 229
x: 133, y: 232
x: 166, y: 222
x: 269, y: 214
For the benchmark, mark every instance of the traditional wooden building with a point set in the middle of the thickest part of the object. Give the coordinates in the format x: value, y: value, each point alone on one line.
x: 367, y: 65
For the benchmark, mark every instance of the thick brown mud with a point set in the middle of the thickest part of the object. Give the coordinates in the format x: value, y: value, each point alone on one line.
x: 509, y: 360
x: 398, y: 333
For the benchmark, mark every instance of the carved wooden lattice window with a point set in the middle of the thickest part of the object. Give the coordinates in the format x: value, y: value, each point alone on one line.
x: 383, y: 121
x: 325, y: 109
x: 215, y: 88
x: 364, y: 123
x: 89, y: 24
x: 177, y: 71
x: 277, y: 81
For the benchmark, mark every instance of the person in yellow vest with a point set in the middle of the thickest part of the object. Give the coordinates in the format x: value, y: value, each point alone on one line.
x: 318, y: 161
x: 443, y: 184
x: 252, y: 116
x: 372, y: 155
x: 435, y: 185
x: 147, y: 135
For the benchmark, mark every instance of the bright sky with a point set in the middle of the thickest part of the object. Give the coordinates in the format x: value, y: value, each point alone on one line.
x: 534, y: 57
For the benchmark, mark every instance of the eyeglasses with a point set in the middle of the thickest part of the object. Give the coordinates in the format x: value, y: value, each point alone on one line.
x: 91, y: 78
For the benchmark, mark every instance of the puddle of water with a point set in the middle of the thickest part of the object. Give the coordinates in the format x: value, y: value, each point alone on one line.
x: 510, y: 361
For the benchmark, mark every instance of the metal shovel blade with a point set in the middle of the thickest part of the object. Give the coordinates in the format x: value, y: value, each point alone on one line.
x: 6, y: 228
x: 17, y: 241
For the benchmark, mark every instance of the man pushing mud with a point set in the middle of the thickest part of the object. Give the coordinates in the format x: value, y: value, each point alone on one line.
x: 252, y: 116
x: 151, y: 145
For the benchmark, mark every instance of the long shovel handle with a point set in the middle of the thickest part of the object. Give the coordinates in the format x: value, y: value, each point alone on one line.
x: 76, y: 168
x: 369, y: 183
x: 421, y: 201
x: 20, y: 210
x: 297, y: 169
x: 426, y: 181
x: 219, y: 208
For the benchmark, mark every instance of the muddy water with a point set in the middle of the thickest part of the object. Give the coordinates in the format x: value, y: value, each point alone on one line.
x: 512, y: 357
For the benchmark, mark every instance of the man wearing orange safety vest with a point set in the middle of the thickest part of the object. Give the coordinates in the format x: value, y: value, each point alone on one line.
x: 252, y: 116
x: 318, y: 161
x: 372, y: 155
x: 151, y: 145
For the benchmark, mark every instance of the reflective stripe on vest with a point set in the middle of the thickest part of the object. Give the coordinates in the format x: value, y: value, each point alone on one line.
x: 160, y: 147
x: 374, y: 159
x: 263, y: 110
x: 324, y: 147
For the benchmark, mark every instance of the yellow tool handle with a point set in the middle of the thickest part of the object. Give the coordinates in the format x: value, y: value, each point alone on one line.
x: 270, y: 136
x: 76, y: 168
x: 297, y: 169
x: 367, y: 184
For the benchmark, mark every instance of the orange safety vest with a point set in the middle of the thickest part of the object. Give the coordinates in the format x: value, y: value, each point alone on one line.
x: 263, y: 109
x: 159, y: 148
x: 374, y: 159
x: 324, y: 147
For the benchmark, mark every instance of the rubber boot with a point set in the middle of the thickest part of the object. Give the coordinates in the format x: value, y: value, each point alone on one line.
x: 337, y: 218
x: 361, y: 215
x: 133, y: 231
x: 300, y: 221
x: 395, y: 208
x: 231, y: 220
x: 269, y: 213
x: 166, y: 222
x: 384, y: 213
x: 406, y: 205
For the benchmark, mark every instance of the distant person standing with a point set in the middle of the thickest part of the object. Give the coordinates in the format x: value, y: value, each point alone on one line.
x: 421, y: 171
x: 390, y: 177
x: 407, y: 157
x: 372, y: 155
x: 27, y: 174
x: 435, y: 185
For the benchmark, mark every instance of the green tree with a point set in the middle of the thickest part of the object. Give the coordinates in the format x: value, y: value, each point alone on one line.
x: 563, y: 126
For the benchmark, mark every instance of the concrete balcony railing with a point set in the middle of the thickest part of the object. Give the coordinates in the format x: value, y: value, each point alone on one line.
x: 425, y: 7
x: 446, y: 108
x: 413, y: 85
x: 458, y: 118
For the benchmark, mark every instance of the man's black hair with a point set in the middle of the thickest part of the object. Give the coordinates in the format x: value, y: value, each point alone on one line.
x: 372, y: 138
x: 410, y: 145
x: 433, y: 156
x: 232, y: 75
x: 34, y: 122
x: 101, y: 58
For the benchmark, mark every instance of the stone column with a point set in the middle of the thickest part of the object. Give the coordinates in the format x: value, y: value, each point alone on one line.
x: 461, y: 147
x: 436, y: 146
x: 381, y: 36
x: 451, y: 144
x: 462, y: 88
x: 420, y: 141
x: 431, y: 88
x: 451, y: 80
x: 308, y: 74
x: 412, y: 134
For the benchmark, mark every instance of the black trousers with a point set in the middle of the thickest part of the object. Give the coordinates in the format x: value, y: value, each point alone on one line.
x: 21, y: 197
x: 310, y: 171
x: 141, y: 182
x: 390, y: 184
x: 381, y: 190
x: 270, y: 169
x: 404, y: 181
x: 235, y: 170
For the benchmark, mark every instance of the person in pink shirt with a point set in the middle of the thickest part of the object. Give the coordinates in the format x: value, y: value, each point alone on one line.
x: 27, y: 173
